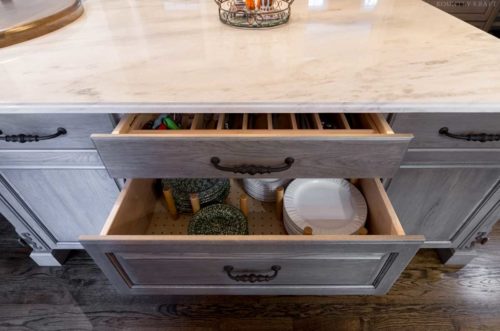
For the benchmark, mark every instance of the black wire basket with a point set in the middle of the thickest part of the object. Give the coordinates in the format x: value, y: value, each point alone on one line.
x: 252, y: 14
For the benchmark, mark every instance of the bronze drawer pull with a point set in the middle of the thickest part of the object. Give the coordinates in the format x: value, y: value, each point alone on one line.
x: 252, y: 169
x: 28, y: 138
x: 481, y: 137
x: 252, y: 278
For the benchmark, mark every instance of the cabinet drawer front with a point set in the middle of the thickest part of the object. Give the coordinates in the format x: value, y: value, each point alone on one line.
x: 138, y: 258
x: 163, y: 269
x: 310, y: 267
x: 190, y: 153
x: 142, y: 157
x: 426, y: 127
x: 78, y: 128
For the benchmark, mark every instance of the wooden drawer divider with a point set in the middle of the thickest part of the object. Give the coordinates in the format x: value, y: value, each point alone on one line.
x: 370, y: 124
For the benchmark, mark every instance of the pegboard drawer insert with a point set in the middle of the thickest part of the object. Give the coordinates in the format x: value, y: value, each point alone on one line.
x: 141, y: 210
x: 143, y: 250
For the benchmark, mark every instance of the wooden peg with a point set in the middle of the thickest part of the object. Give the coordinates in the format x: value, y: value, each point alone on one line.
x: 195, y: 202
x: 279, y: 202
x: 308, y: 231
x: 169, y: 198
x: 354, y: 181
x: 244, y: 204
x: 363, y: 231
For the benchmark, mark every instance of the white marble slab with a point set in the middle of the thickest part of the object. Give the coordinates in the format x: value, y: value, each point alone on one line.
x: 334, y: 55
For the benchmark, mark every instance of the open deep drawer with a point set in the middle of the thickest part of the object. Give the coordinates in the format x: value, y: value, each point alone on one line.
x: 260, y: 145
x: 142, y: 250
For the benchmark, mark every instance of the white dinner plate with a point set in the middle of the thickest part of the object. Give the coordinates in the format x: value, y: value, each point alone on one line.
x: 328, y: 206
x: 263, y: 189
x: 290, y: 227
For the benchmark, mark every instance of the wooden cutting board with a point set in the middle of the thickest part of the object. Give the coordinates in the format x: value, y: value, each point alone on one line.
x: 21, y: 20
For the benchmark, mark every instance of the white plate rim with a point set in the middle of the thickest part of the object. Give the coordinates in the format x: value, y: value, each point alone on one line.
x: 359, y: 205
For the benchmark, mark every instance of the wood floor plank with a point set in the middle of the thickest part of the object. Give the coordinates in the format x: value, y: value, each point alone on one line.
x: 43, y: 317
x: 278, y: 324
x: 428, y: 296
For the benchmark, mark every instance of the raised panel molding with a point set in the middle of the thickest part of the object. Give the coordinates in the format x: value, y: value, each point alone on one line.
x: 22, y: 227
x: 25, y: 209
x: 482, y: 218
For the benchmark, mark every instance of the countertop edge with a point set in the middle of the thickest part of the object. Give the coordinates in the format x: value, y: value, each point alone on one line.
x: 32, y: 108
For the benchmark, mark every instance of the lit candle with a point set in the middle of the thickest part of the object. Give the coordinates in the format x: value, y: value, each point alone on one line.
x: 250, y: 4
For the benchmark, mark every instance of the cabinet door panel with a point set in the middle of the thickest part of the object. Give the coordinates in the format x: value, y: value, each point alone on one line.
x: 437, y: 203
x: 67, y: 203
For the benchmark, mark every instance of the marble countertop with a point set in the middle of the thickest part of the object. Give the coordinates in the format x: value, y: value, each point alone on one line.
x: 333, y: 56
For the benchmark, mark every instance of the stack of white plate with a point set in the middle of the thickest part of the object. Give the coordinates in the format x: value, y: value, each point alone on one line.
x: 327, y: 206
x: 263, y: 189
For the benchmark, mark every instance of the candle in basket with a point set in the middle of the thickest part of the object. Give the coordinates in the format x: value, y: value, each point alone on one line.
x: 250, y: 4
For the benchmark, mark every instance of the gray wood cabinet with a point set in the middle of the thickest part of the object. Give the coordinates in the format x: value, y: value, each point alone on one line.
x: 51, y: 208
x: 448, y: 188
x: 443, y: 203
x: 63, y: 203
x: 54, y: 190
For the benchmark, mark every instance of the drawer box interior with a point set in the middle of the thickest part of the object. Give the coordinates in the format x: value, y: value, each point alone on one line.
x: 260, y: 124
x: 141, y: 210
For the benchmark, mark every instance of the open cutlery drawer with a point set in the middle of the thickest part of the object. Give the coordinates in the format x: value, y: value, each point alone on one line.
x: 142, y: 250
x: 259, y: 145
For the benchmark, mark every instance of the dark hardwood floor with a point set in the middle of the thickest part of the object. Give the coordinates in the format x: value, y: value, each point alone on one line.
x: 77, y: 296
